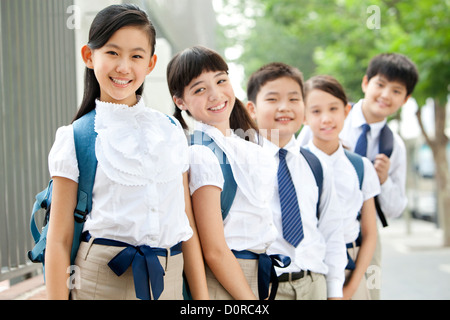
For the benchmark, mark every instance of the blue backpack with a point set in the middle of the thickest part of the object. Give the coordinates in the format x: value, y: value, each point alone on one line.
x: 84, y: 138
x: 230, y: 186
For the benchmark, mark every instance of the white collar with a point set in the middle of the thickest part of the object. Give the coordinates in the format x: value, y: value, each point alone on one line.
x: 358, y: 120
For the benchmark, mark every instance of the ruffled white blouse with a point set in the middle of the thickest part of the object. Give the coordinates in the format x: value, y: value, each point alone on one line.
x: 249, y: 224
x: 138, y: 194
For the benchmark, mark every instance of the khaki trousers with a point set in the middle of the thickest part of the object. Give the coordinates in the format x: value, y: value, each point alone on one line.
x: 310, y: 287
x: 375, y: 275
x: 362, y: 293
x: 94, y: 280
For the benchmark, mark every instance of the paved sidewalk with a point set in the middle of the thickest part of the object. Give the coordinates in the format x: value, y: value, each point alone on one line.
x: 415, y: 265
x: 30, y: 289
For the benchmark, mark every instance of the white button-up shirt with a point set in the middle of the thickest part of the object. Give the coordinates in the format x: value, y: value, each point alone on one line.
x: 323, y: 248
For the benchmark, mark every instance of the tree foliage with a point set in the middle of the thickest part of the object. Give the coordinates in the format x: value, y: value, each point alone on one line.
x: 339, y: 37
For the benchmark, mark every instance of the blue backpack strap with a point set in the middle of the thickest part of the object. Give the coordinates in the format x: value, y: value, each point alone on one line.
x: 43, y: 200
x: 230, y: 186
x: 358, y: 164
x: 386, y: 144
x: 84, y: 136
x: 171, y: 120
x: 317, y: 170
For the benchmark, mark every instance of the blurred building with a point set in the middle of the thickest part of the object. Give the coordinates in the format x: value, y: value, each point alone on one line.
x: 41, y: 85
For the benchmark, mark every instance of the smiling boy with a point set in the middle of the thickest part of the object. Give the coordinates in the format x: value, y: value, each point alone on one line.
x: 389, y: 82
x: 275, y: 94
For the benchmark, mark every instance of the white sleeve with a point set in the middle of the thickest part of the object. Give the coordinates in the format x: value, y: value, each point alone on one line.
x: 204, y: 168
x: 62, y: 159
x: 371, y: 183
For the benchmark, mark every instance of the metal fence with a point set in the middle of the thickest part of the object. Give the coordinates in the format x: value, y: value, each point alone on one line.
x: 37, y: 95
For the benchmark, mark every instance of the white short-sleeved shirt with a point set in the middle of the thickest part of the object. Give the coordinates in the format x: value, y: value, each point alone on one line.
x: 347, y: 187
x: 138, y: 194
x: 249, y: 224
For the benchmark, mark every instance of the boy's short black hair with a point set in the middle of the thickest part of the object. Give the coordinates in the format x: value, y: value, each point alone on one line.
x: 271, y: 72
x: 395, y: 67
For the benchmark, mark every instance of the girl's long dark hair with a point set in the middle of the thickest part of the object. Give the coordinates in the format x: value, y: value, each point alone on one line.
x: 105, y: 24
x: 191, y: 63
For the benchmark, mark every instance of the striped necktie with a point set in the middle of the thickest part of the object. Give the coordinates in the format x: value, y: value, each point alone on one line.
x: 361, y: 144
x: 290, y: 211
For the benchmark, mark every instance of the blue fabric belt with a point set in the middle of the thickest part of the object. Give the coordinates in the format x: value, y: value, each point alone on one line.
x: 350, y: 263
x: 266, y: 270
x: 144, y: 262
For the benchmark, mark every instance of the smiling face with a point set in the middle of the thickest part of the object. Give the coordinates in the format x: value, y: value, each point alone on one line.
x: 325, y: 114
x: 382, y: 98
x: 121, y: 65
x: 279, y: 110
x: 209, y: 98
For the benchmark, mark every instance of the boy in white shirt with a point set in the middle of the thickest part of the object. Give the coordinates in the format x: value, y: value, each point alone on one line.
x: 275, y: 94
x: 389, y: 82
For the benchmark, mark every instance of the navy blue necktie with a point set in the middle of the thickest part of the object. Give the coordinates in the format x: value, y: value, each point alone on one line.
x: 361, y: 145
x: 290, y: 212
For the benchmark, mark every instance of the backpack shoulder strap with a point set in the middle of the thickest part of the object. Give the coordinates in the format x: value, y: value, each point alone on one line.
x: 317, y: 170
x: 171, y: 120
x: 386, y: 144
x: 230, y: 186
x: 84, y: 137
x: 358, y: 164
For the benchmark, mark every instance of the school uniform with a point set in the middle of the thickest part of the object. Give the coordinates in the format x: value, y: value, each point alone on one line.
x: 249, y: 224
x: 392, y: 198
x: 351, y: 198
x: 318, y: 262
x: 137, y: 200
